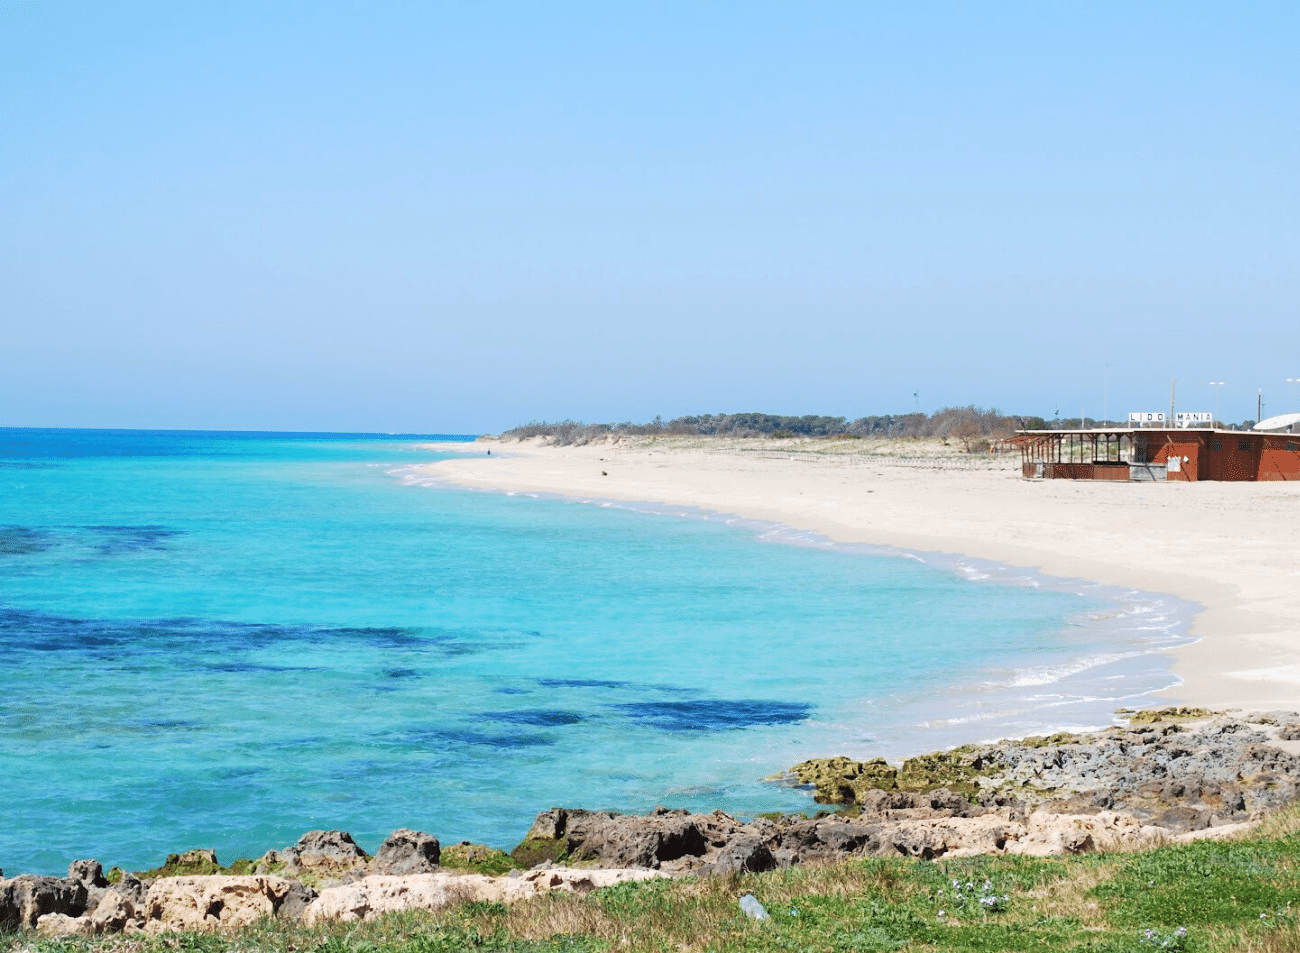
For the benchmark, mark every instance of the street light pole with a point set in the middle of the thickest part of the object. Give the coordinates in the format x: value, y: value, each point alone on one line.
x: 1217, y: 384
x: 1105, y: 399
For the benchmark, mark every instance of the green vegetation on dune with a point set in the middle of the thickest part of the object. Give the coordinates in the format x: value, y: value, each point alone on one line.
x: 1204, y: 896
x: 972, y: 426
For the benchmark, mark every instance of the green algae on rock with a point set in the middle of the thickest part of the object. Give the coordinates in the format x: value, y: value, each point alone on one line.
x: 841, y: 780
x: 191, y: 863
x: 478, y: 859
x: 532, y: 851
x: 1152, y: 715
x: 956, y: 770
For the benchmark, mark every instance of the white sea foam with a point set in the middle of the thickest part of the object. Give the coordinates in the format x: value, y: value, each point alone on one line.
x: 970, y: 572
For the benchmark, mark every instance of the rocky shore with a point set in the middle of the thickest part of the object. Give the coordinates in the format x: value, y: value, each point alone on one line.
x: 1166, y: 776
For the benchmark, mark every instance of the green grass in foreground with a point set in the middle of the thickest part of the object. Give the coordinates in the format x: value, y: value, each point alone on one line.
x: 1233, y: 895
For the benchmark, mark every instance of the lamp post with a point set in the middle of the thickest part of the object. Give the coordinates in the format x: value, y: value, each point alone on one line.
x: 1217, y: 384
x: 1105, y: 399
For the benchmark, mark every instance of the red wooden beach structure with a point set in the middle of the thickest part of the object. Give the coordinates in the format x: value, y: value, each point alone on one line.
x: 1164, y: 455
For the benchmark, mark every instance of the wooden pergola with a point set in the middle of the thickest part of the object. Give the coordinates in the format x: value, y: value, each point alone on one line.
x: 1080, y: 446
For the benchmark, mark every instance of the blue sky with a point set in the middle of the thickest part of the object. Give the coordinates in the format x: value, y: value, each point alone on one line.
x: 457, y: 217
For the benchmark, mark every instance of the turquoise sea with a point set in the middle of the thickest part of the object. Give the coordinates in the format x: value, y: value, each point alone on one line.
x: 227, y: 639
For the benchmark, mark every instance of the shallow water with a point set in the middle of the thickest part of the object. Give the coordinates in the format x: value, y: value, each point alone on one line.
x: 225, y: 640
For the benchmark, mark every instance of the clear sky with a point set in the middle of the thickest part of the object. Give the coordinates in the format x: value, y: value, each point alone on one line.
x: 457, y: 217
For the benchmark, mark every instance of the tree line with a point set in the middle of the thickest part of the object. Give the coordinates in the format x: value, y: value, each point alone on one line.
x: 972, y: 425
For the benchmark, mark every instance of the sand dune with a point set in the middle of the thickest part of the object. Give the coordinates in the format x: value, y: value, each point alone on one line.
x: 1232, y: 547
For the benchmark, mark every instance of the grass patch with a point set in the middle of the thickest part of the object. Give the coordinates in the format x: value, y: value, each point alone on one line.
x: 1205, y: 883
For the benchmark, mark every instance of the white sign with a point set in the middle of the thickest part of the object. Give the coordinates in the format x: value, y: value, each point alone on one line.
x: 1153, y: 418
x: 1190, y: 420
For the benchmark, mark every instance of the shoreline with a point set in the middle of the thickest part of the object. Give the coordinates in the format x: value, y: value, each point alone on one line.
x: 1011, y: 716
x: 1226, y: 547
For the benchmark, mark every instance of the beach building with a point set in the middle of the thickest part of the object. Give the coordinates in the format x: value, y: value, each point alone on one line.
x: 1158, y: 454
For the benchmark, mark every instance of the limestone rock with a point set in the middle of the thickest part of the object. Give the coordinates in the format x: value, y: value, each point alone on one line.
x: 549, y: 825
x: 88, y: 872
x: 114, y: 914
x: 60, y: 924
x: 1222, y: 768
x: 825, y: 838
x: 648, y: 842
x: 25, y: 899
x: 407, y: 852
x: 323, y: 853
x: 674, y: 838
x: 379, y: 893
x: 198, y: 857
x: 131, y: 888
x: 293, y: 905
x: 953, y: 836
x: 208, y: 902
x: 743, y: 854
x: 567, y: 880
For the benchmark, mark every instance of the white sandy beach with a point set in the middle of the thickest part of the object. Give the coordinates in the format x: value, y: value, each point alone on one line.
x: 1234, y: 548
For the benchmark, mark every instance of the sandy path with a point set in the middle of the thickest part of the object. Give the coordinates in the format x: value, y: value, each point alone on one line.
x: 1232, y: 547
